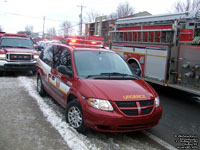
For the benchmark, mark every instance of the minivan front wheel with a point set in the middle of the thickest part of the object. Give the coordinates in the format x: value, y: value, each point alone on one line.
x: 74, y: 116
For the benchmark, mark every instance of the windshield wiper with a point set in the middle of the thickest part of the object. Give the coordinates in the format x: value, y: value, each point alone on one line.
x: 116, y: 74
x: 112, y: 75
x: 120, y: 74
x: 93, y: 76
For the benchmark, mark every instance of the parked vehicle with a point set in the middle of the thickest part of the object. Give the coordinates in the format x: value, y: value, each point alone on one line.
x: 164, y: 49
x: 97, y: 88
x: 17, y: 53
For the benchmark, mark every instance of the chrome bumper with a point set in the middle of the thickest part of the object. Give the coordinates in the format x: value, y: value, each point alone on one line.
x: 17, y: 66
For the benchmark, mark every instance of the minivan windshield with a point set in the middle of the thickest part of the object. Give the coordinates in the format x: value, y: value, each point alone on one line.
x: 17, y: 43
x: 100, y: 63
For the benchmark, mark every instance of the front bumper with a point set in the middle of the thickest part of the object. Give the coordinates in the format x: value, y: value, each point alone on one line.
x: 17, y: 66
x: 116, y: 122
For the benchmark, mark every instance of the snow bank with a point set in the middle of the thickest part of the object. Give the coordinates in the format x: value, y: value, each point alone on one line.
x: 73, y: 139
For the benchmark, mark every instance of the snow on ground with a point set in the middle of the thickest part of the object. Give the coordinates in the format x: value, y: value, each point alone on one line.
x: 74, y: 140
x: 93, y: 140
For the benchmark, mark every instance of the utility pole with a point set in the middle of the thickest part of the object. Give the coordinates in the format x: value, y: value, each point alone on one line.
x: 43, y: 27
x: 81, y: 18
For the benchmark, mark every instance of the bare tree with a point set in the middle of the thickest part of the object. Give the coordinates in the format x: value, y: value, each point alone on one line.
x: 51, y: 32
x: 112, y: 15
x: 188, y: 5
x: 124, y: 9
x: 67, y: 28
x: 91, y: 16
x: 29, y: 29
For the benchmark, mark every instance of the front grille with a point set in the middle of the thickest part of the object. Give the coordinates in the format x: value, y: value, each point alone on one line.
x: 19, y: 57
x: 126, y: 104
x: 146, y: 103
x: 130, y: 112
x: 146, y: 110
x: 134, y: 108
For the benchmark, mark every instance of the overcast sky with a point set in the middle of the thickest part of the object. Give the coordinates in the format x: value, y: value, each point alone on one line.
x: 16, y: 14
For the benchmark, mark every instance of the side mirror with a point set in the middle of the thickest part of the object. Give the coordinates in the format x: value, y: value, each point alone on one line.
x: 66, y: 71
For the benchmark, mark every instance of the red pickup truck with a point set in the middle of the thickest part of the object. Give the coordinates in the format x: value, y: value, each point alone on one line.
x: 97, y: 88
x: 17, y: 53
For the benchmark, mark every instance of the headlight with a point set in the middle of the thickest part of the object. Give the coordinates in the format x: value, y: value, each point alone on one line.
x: 36, y: 56
x: 2, y: 56
x: 100, y: 104
x: 157, y: 100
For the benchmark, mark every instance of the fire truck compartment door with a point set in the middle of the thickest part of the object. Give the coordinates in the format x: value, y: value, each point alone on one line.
x: 156, y: 63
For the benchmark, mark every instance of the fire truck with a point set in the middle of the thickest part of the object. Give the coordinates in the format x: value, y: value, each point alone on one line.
x: 163, y: 49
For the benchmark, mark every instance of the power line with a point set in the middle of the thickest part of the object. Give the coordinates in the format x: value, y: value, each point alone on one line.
x: 31, y: 16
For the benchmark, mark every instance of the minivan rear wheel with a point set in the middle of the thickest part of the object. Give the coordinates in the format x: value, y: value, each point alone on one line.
x: 40, y: 87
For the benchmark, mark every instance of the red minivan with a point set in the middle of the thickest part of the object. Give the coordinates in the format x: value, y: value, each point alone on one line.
x: 97, y: 88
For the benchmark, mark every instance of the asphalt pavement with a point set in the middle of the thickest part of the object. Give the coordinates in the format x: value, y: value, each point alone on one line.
x: 22, y: 124
x: 180, y: 119
x: 24, y: 127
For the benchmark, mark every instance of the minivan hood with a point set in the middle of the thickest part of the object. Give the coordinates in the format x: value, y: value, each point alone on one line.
x: 119, y: 90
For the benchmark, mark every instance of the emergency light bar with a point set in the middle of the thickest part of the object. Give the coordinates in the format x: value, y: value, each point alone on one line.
x: 84, y: 43
x: 17, y: 35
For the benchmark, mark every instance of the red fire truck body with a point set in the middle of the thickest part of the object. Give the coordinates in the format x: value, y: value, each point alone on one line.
x: 164, y: 49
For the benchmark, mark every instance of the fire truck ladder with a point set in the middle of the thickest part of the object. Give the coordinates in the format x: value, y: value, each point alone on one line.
x: 158, y: 29
x: 162, y: 36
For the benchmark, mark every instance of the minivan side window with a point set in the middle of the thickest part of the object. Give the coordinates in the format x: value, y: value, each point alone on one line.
x: 62, y: 57
x: 47, y: 55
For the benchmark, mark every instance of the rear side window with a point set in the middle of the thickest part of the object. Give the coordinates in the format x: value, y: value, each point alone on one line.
x: 62, y: 57
x: 47, y: 55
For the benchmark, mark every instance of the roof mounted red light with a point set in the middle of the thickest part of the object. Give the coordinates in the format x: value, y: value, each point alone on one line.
x: 73, y: 40
x: 17, y: 35
x: 93, y: 43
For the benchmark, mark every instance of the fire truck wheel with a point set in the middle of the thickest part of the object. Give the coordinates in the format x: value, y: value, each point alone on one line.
x: 74, y: 116
x: 136, y: 68
x: 40, y: 87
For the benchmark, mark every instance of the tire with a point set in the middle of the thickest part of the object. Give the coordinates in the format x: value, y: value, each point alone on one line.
x: 135, y: 67
x: 1, y: 73
x: 74, y: 116
x: 40, y: 87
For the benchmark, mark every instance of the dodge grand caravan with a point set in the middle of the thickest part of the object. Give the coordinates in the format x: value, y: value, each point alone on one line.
x: 97, y: 89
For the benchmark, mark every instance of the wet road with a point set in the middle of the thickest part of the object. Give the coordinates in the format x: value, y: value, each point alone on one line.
x: 44, y: 121
x: 181, y: 116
